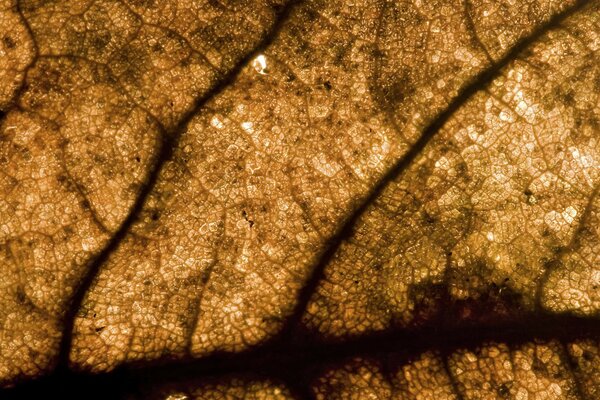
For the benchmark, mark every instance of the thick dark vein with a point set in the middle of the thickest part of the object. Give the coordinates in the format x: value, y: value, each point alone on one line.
x: 278, y: 358
x: 301, y: 363
x: 169, y: 142
x: 480, y: 82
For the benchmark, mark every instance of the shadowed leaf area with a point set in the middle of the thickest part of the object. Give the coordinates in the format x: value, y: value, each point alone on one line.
x: 305, y: 199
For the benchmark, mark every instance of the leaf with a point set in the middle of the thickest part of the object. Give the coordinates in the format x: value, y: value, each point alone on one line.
x: 104, y: 96
x: 495, y: 217
x: 493, y: 371
x: 215, y: 184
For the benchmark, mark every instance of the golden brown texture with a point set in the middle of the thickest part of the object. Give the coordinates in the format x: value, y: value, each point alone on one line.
x: 267, y: 171
x: 221, y: 389
x: 16, y: 51
x: 194, y: 163
x: 105, y: 89
x: 532, y: 370
x: 496, y: 215
x: 494, y: 371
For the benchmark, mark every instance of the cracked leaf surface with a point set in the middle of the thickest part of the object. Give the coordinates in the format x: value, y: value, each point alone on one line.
x: 484, y: 221
x: 539, y: 369
x: 104, y: 91
x: 265, y: 173
x: 184, y: 181
x: 532, y: 370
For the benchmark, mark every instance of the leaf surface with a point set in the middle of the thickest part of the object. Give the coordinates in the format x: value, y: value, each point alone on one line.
x: 103, y: 92
x: 188, y: 182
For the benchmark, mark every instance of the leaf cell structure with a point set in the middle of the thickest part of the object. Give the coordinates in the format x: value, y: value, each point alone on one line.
x: 299, y: 199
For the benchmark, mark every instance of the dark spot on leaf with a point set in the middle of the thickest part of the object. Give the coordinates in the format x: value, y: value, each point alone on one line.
x: 390, y: 92
x: 503, y: 390
x: 428, y: 218
x: 204, y: 277
x: 9, y: 42
x: 100, y: 41
x: 539, y: 366
x: 21, y: 296
x: 557, y: 249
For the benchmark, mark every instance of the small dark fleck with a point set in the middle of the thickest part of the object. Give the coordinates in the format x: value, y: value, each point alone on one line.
x: 429, y: 219
x: 588, y: 356
x: 503, y: 390
x: 204, y: 277
x: 9, y: 42
x: 21, y: 297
